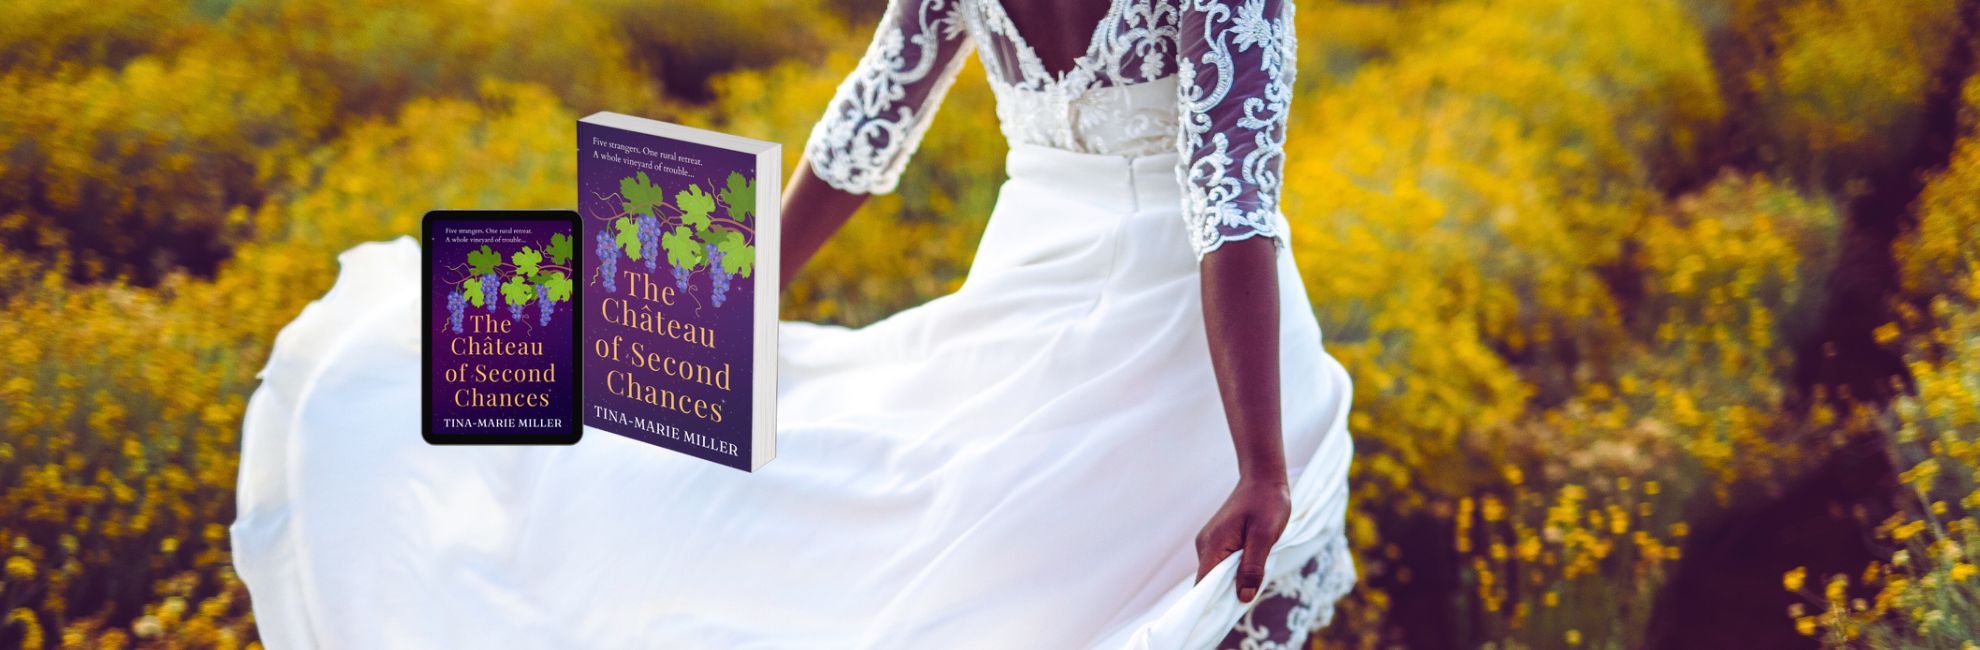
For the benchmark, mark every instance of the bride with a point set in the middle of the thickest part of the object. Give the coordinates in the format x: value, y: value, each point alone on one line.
x: 1121, y: 431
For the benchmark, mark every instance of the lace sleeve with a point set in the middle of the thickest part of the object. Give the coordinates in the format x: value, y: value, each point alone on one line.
x: 1235, y: 77
x: 880, y: 111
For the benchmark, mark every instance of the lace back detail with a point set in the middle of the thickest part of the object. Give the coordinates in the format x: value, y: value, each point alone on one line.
x: 1208, y: 79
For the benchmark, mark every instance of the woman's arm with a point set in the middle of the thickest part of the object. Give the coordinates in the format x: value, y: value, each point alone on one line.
x: 1236, y: 65
x: 873, y: 124
x: 813, y: 210
x: 1241, y: 316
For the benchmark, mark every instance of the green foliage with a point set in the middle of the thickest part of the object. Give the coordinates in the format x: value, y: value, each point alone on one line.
x: 483, y: 261
x: 641, y: 195
x: 695, y: 207
x: 682, y: 249
x: 526, y: 260
x: 518, y: 291
x: 738, y: 256
x: 556, y: 287
x: 628, y: 237
x: 740, y: 196
x: 559, y: 249
x: 472, y: 289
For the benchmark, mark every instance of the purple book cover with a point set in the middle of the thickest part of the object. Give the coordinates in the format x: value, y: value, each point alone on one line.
x: 680, y: 236
x: 502, y: 318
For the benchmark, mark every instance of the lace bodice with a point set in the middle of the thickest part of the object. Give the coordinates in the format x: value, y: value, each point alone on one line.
x: 1209, y: 79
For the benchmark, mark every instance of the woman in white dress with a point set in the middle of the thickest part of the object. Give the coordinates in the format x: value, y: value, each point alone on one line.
x: 1121, y: 431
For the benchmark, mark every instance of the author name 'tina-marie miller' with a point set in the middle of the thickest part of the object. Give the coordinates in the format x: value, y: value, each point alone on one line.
x: 668, y: 431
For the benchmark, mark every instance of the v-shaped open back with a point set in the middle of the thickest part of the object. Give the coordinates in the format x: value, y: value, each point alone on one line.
x: 1014, y: 45
x: 1210, y: 80
x: 1133, y: 42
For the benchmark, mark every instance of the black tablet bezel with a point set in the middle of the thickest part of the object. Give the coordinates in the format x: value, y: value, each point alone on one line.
x: 576, y: 429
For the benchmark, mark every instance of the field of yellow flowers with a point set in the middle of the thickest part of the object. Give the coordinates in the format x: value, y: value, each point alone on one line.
x: 1664, y: 315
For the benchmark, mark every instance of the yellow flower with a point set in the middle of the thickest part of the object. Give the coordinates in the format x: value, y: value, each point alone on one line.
x: 20, y: 568
x: 1885, y: 333
x: 1805, y: 625
x: 1795, y: 579
x: 1962, y: 571
x: 1574, y: 637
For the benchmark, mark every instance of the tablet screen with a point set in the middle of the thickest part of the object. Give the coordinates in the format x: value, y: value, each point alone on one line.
x: 501, y: 327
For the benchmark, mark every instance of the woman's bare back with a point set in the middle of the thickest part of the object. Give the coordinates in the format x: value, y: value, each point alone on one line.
x: 1059, y: 31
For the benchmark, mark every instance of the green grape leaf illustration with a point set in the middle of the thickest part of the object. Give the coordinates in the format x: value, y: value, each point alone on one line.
x: 559, y: 249
x: 628, y: 237
x: 640, y: 194
x: 527, y: 260
x: 518, y: 291
x: 741, y: 197
x: 472, y: 289
x: 682, y: 250
x: 695, y: 206
x: 738, y: 257
x: 556, y: 287
x: 482, y: 262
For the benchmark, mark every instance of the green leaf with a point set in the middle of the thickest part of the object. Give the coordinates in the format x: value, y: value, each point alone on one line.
x: 682, y: 250
x: 738, y: 257
x: 472, y: 289
x: 559, y: 249
x: 740, y: 197
x: 628, y: 237
x: 640, y: 194
x: 482, y: 262
x: 556, y: 286
x: 526, y: 261
x: 518, y: 291
x: 695, y: 207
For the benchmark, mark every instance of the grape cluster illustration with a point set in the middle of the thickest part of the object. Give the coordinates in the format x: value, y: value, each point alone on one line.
x: 718, y: 279
x: 488, y: 286
x: 649, y: 240
x: 456, y: 304
x: 608, y: 261
x: 686, y: 234
x: 545, y: 307
x: 538, y: 275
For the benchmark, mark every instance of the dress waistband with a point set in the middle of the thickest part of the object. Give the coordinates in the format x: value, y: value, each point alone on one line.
x: 1137, y: 183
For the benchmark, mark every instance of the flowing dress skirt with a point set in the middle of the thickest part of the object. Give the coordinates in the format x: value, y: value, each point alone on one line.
x: 1021, y: 464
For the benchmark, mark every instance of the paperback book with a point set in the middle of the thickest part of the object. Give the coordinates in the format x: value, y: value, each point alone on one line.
x: 680, y: 333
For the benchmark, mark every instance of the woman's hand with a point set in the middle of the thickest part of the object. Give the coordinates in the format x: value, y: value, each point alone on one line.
x: 1250, y: 521
x: 1241, y: 318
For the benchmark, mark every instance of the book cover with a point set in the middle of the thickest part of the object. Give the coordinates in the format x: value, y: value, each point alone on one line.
x: 680, y: 333
x: 500, y: 341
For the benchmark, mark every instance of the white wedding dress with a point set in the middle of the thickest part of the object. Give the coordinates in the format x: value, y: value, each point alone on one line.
x: 1021, y: 464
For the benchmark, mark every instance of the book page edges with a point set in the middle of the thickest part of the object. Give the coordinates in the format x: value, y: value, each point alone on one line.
x: 769, y: 266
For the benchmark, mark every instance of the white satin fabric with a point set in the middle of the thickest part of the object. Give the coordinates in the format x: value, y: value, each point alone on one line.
x: 1021, y: 464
